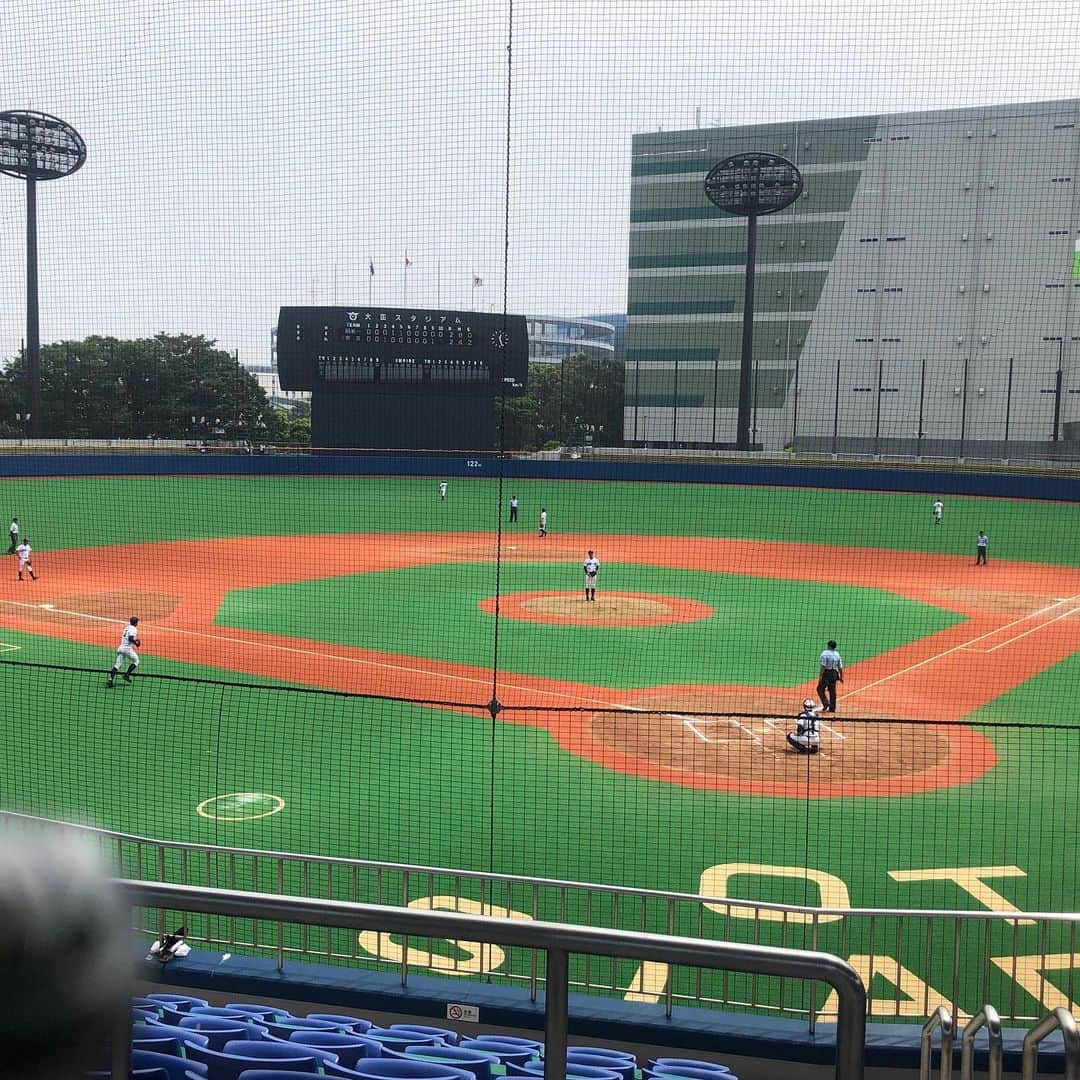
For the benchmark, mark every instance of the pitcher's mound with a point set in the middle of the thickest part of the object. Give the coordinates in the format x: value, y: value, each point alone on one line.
x: 608, y: 609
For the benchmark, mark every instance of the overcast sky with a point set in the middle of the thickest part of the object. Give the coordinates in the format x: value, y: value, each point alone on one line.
x: 247, y: 154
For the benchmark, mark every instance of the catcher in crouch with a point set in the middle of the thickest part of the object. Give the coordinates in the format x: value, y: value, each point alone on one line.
x: 805, y: 739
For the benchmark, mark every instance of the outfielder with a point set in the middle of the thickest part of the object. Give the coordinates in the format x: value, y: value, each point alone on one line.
x: 129, y: 642
x: 591, y: 566
x: 543, y: 521
x: 24, y: 551
x: 937, y: 509
x: 442, y: 491
x: 13, y: 535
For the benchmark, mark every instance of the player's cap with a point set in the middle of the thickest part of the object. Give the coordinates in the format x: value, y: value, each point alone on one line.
x: 809, y: 704
x: 134, y: 620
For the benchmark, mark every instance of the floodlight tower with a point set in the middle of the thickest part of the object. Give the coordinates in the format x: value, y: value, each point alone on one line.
x: 35, y: 146
x: 749, y: 185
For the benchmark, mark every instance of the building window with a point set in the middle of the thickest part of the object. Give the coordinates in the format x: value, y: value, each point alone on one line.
x: 890, y: 239
x: 895, y: 288
x: 1061, y: 180
x: 894, y: 339
x: 878, y: 138
x: 1052, y: 285
x: 899, y: 138
x: 1058, y: 232
x: 1057, y: 127
x: 864, y: 339
x: 866, y: 290
x: 863, y: 389
x: 868, y: 239
x: 1052, y: 338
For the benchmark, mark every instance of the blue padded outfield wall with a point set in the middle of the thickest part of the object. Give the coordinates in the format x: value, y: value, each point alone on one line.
x: 944, y: 481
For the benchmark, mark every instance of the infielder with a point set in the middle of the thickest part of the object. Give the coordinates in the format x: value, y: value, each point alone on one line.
x: 982, y: 543
x: 591, y: 566
x: 937, y: 509
x: 24, y: 551
x: 129, y: 642
x: 805, y: 739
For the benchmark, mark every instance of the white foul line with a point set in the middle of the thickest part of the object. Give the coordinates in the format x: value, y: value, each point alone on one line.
x: 963, y: 645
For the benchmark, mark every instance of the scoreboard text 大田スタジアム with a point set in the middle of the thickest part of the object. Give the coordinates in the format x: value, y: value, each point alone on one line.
x: 382, y: 349
x: 402, y: 378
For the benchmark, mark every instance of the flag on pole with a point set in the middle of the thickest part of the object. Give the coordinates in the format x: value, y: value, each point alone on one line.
x: 477, y: 281
x: 408, y: 261
x: 371, y: 267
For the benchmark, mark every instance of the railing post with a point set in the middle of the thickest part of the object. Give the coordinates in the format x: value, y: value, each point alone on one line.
x: 941, y: 1019
x: 986, y: 1017
x: 556, y: 1013
x: 1059, y: 1019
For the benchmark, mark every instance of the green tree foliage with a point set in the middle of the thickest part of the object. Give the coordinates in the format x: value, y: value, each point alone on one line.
x: 166, y: 387
x: 565, y: 404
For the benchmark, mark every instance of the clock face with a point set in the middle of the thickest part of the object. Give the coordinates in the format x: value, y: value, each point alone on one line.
x: 499, y: 339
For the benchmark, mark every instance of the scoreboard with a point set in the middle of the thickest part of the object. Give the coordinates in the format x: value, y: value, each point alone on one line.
x: 401, y: 350
x: 402, y: 378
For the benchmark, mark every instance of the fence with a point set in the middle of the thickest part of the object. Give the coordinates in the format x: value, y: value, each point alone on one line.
x: 976, y: 956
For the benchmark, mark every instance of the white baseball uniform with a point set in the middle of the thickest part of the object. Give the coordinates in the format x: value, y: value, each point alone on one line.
x: 126, y: 649
x: 591, y: 568
x: 24, y: 552
x: 805, y: 738
x: 938, y: 507
x: 442, y: 490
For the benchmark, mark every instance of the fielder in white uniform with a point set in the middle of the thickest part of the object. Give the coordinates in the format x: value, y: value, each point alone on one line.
x: 805, y: 739
x: 13, y: 533
x: 937, y: 509
x: 442, y: 490
x: 543, y: 522
x: 129, y: 642
x: 591, y: 566
x: 24, y: 551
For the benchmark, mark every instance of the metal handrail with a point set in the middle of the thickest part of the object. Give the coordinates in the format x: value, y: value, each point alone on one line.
x: 942, y: 1019
x: 1059, y: 1020
x: 986, y: 1017
x: 557, y: 940
x: 419, y: 869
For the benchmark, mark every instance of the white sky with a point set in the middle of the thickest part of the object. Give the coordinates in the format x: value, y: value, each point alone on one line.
x: 248, y: 154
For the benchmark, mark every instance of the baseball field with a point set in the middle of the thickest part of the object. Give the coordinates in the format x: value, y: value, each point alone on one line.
x: 355, y: 667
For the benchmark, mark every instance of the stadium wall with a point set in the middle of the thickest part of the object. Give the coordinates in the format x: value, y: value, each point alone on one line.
x: 998, y: 483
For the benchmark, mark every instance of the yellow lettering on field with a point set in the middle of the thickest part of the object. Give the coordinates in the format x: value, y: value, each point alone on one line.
x: 1029, y: 973
x: 648, y: 983
x: 832, y: 891
x: 919, y: 998
x: 970, y: 879
x: 481, y: 957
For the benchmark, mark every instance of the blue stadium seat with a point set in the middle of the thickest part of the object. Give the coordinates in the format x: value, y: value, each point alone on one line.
x: 255, y: 1009
x: 601, y: 1051
x: 160, y: 1044
x: 445, y: 1035
x: 478, y: 1062
x: 694, y: 1071
x: 626, y: 1067
x: 176, y: 1068
x: 574, y: 1071
x: 353, y: 1023
x: 140, y: 1012
x: 406, y: 1069
x: 179, y: 1002
x: 507, y: 1053
x: 400, y: 1040
x: 513, y: 1041
x: 154, y: 1029
x: 285, y: 1027
x: 224, y: 1066
x: 259, y: 1050
x: 689, y: 1063
x: 279, y: 1074
x: 134, y: 1074
x: 171, y: 1015
x: 348, y: 1047
x: 224, y: 1013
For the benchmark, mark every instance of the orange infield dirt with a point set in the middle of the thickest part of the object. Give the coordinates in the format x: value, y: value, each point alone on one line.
x: 1021, y: 618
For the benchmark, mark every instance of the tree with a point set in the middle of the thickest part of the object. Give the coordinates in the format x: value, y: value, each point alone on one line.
x: 168, y: 386
x: 575, y: 402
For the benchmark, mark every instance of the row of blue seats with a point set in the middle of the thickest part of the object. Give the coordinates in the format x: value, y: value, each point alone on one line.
x: 179, y: 1037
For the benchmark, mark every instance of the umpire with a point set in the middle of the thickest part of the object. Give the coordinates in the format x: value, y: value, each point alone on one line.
x: 831, y: 671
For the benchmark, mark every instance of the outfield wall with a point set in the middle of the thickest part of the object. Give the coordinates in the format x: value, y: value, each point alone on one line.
x: 997, y: 483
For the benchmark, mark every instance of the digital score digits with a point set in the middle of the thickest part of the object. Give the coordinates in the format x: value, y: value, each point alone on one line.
x: 382, y: 349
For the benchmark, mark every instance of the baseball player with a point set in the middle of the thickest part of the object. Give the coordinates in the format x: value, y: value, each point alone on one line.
x: 513, y: 508
x: 982, y: 544
x: 805, y: 739
x: 937, y: 509
x: 543, y: 521
x: 830, y: 672
x: 24, y: 551
x: 129, y: 642
x: 13, y: 535
x: 442, y: 490
x: 591, y: 566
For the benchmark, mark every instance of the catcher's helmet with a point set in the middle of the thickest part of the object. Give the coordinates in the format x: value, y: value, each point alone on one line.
x: 809, y: 705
